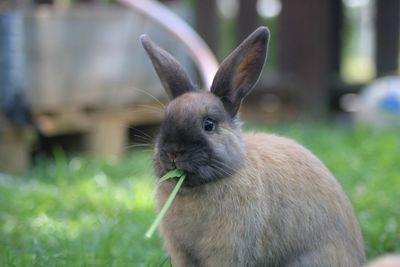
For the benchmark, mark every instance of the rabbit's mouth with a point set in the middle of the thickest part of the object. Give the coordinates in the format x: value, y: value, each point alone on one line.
x: 197, y: 174
x: 201, y: 165
x: 176, y: 164
x: 194, y: 176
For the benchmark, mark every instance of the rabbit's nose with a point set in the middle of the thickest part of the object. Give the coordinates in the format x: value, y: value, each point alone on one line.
x: 174, y: 154
x: 173, y: 150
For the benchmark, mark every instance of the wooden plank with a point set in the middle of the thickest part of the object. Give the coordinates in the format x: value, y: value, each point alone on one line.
x: 105, y: 131
x: 47, y: 2
x: 6, y: 5
x: 207, y: 22
x: 308, y: 46
x: 70, y: 121
x: 107, y: 137
x: 15, y: 147
x: 248, y: 19
x: 387, y: 25
x: 14, y: 154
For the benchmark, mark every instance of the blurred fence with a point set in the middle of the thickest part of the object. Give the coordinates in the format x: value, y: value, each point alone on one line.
x: 82, y: 70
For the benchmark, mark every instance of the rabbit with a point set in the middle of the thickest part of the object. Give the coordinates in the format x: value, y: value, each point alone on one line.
x: 249, y: 199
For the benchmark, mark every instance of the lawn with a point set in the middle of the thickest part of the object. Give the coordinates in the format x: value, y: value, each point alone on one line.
x: 90, y: 212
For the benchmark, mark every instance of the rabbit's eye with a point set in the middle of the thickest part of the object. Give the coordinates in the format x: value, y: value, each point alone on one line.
x: 209, y: 125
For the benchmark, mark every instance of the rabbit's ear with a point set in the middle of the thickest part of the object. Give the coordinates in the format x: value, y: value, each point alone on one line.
x: 171, y: 73
x: 240, y: 71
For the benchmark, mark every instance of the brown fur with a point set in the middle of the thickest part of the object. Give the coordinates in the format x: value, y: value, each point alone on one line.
x: 248, y: 199
x: 283, y: 199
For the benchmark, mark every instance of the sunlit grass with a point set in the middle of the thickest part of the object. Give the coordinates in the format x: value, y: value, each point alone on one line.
x: 90, y: 212
x: 80, y: 212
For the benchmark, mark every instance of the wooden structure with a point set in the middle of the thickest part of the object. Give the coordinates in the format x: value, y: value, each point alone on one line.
x: 15, y: 144
x: 309, y: 52
x: 86, y: 73
x: 387, y: 36
x: 310, y: 37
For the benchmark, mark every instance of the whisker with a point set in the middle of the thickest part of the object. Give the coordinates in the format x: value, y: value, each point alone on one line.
x: 223, y: 167
x: 143, y: 138
x: 142, y: 132
x: 152, y: 96
x: 220, y: 167
x: 139, y: 145
x: 151, y: 108
x: 222, y: 170
x: 146, y: 93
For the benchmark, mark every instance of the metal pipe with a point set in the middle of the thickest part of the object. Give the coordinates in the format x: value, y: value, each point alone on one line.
x: 199, y: 51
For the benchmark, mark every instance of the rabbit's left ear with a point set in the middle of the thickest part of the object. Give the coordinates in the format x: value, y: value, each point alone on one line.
x: 171, y: 73
x: 240, y: 71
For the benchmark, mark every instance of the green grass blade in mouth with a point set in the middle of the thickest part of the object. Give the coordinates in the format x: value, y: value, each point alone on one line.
x: 171, y: 174
x: 168, y: 203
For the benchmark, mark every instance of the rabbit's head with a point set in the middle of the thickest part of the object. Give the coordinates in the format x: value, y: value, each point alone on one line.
x: 200, y: 133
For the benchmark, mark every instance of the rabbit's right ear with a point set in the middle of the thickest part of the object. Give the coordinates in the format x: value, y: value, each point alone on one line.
x: 172, y: 75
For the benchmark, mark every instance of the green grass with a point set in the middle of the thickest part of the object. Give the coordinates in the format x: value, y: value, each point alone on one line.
x: 87, y: 212
x: 80, y: 212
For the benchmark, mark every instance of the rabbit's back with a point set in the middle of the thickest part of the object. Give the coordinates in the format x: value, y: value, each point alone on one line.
x: 308, y: 216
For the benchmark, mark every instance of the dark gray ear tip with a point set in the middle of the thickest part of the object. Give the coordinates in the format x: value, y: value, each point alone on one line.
x: 261, y: 33
x: 145, y: 40
x: 263, y: 30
